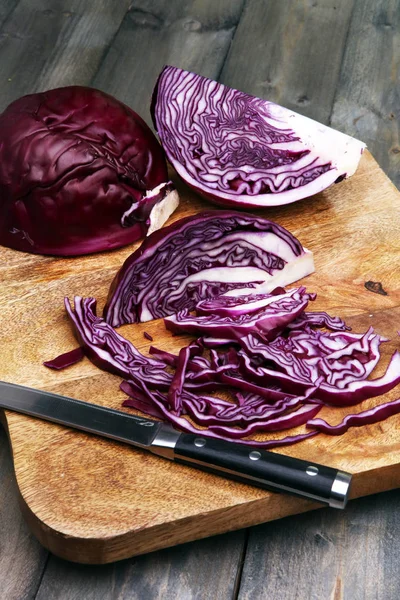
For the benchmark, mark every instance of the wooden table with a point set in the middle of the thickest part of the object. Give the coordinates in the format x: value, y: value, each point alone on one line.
x: 334, y: 60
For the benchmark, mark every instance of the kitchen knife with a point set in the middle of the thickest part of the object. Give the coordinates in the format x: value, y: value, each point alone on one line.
x: 268, y: 470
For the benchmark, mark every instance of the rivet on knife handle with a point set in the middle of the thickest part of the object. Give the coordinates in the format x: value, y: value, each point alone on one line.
x: 275, y: 472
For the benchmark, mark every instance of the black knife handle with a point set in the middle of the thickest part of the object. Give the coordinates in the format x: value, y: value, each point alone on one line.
x: 275, y: 472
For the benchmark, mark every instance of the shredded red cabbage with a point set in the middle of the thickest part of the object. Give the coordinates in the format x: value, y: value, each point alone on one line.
x: 366, y: 417
x: 318, y: 319
x: 158, y: 409
x: 176, y: 387
x: 108, y: 350
x: 268, y: 314
x: 287, y: 421
x: 273, y: 385
x: 340, y: 362
x: 229, y: 306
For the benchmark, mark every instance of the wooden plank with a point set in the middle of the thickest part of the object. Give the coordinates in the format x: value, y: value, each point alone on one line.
x: 290, y: 53
x: 6, y: 8
x: 45, y: 44
x: 367, y: 100
x: 205, y: 570
x: 22, y: 558
x: 327, y: 554
x: 191, y: 34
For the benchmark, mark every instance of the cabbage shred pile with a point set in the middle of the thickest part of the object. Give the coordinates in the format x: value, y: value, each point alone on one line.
x: 278, y: 377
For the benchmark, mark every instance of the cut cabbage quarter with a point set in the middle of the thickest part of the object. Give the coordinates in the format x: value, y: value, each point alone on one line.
x: 240, y: 151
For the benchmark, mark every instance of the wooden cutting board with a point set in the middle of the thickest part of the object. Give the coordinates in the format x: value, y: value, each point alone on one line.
x: 94, y: 501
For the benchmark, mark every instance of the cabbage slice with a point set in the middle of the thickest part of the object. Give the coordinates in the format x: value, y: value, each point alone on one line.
x: 203, y: 256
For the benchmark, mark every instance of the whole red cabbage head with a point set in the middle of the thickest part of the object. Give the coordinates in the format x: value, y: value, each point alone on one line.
x: 80, y: 172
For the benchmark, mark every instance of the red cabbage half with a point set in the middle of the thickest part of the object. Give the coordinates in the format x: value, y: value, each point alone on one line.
x: 202, y: 256
x: 80, y: 172
x: 241, y: 151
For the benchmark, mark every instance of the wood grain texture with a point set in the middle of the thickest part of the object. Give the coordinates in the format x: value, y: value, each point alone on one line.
x: 367, y: 98
x: 46, y: 44
x: 190, y: 34
x: 92, y: 500
x: 350, y: 555
x: 22, y: 558
x: 187, y: 572
x: 290, y: 53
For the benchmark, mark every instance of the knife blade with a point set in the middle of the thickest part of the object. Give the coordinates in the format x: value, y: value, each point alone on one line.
x: 261, y: 468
